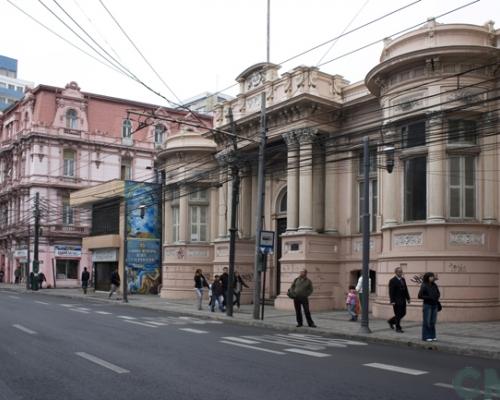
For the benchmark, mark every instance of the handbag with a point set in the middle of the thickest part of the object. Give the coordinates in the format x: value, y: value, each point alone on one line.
x: 440, y: 307
x: 290, y: 293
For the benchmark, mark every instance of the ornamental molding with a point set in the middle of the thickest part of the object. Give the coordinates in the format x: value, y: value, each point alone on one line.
x: 408, y: 239
x: 357, y: 246
x: 467, y: 238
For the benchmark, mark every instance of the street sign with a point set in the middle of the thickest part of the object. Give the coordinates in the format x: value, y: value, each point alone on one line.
x: 266, y: 242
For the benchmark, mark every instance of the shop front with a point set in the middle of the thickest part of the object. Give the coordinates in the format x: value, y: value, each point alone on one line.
x: 104, y: 262
x: 67, y: 264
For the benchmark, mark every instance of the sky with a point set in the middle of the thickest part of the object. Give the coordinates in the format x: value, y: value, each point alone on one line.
x: 199, y: 45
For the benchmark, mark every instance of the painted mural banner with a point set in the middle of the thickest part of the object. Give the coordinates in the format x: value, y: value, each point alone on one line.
x: 143, y: 222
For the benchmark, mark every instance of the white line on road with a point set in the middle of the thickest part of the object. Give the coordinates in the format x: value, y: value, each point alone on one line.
x: 241, y: 340
x: 41, y: 302
x: 156, y: 323
x: 247, y: 346
x: 103, y: 363
x: 192, y: 330
x: 125, y: 317
x: 466, y: 389
x: 78, y: 310
x: 308, y: 353
x: 395, y: 368
x: 24, y: 329
x: 67, y: 305
x: 14, y: 297
x: 139, y: 323
x: 103, y: 312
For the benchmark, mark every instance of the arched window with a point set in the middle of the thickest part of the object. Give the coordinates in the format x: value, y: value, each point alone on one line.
x: 160, y: 133
x: 127, y: 128
x: 282, y: 203
x: 26, y: 120
x: 71, y: 119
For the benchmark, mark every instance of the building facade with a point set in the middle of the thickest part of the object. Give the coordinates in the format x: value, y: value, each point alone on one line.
x: 55, y: 141
x: 432, y: 100
x: 11, y: 88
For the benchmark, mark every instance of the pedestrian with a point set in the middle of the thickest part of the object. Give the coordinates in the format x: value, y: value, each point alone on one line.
x: 359, y: 289
x: 115, y: 282
x: 17, y: 275
x: 85, y: 280
x: 399, y: 296
x: 300, y: 291
x: 2, y: 275
x: 41, y: 279
x: 351, y: 303
x: 429, y: 293
x: 32, y: 281
x: 200, y: 282
x: 239, y: 283
x: 224, y: 278
x: 216, y: 298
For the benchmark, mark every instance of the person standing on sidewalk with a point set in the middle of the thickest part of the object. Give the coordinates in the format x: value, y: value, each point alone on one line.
x: 429, y: 293
x: 300, y: 291
x: 2, y: 275
x: 399, y: 295
x: 200, y: 282
x: 41, y: 279
x: 239, y: 283
x: 216, y: 289
x: 115, y: 282
x: 351, y: 302
x: 224, y: 278
x: 359, y: 289
x: 17, y: 275
x: 85, y: 280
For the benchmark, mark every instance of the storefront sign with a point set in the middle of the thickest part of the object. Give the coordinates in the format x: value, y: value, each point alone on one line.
x: 104, y: 255
x: 21, y: 253
x: 67, y: 251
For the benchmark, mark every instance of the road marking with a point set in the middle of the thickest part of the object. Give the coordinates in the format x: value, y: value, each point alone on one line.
x: 395, y: 368
x: 247, y: 346
x: 78, y: 310
x: 24, y: 329
x: 103, y: 312
x: 139, y: 323
x: 67, y: 305
x: 125, y: 317
x: 102, y: 363
x: 308, y: 353
x: 41, y: 302
x: 192, y: 330
x: 156, y: 323
x: 274, y: 339
x: 241, y: 340
x: 465, y: 389
x: 14, y: 297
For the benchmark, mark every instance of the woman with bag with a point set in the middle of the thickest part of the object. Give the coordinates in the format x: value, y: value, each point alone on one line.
x: 239, y: 283
x: 429, y: 293
x: 200, y: 282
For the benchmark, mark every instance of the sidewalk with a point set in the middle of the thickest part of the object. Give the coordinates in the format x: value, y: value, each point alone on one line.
x: 479, y: 339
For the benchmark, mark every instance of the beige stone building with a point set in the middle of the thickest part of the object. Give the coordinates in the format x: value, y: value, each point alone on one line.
x: 433, y: 97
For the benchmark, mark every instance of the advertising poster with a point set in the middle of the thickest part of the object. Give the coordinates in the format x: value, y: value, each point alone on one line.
x: 143, y: 223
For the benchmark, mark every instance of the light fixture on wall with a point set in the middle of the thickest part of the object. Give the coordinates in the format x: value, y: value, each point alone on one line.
x: 389, y: 158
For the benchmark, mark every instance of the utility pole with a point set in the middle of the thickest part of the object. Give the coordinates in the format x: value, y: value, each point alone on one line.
x: 28, y: 259
x: 260, y: 207
x: 268, y: 36
x: 365, y: 328
x: 235, y: 178
x: 125, y: 246
x: 36, y: 261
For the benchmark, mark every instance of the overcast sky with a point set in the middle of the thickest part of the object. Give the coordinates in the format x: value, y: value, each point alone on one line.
x: 202, y: 45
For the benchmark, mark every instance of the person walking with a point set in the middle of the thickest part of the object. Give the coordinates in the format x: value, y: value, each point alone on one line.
x: 359, y: 289
x: 300, y: 291
x: 17, y: 275
x: 200, y: 282
x: 85, y: 280
x: 351, y: 303
x: 224, y: 278
x: 429, y: 293
x: 2, y: 275
x: 41, y: 279
x: 399, y: 296
x: 217, y: 291
x: 239, y: 283
x: 115, y: 282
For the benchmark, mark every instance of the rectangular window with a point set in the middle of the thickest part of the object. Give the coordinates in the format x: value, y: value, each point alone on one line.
x: 462, y: 186
x: 373, y: 205
x: 413, y: 134
x: 198, y: 195
x: 67, y: 212
x: 126, y: 170
x: 373, y: 163
x: 106, y: 218
x: 67, y: 269
x: 416, y: 188
x: 462, y: 131
x: 11, y: 87
x: 69, y: 163
x: 175, y: 224
x: 198, y: 223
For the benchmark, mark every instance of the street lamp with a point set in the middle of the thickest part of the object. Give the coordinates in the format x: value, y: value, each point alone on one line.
x: 389, y: 158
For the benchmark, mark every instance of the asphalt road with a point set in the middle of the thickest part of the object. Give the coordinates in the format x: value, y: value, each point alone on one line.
x: 64, y: 349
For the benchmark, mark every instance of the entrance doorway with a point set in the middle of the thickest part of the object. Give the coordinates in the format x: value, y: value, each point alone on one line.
x: 102, y: 275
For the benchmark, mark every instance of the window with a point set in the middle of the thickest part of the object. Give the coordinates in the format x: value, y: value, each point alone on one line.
x: 416, y: 188
x: 69, y: 163
x: 462, y: 131
x: 373, y: 205
x: 71, y: 119
x: 67, y: 212
x: 127, y: 128
x: 198, y: 223
x: 373, y: 163
x: 413, y: 134
x: 126, y: 169
x: 462, y: 187
x: 175, y: 224
x: 283, y: 203
x: 159, y: 133
x: 11, y: 87
x: 198, y: 195
x: 106, y: 218
x: 19, y: 89
x: 67, y: 269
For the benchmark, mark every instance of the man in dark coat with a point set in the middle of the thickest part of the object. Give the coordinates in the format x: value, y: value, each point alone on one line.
x: 224, y: 278
x: 300, y: 291
x: 85, y: 280
x: 399, y: 296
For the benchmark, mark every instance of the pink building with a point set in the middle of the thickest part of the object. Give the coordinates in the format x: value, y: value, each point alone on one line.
x: 54, y: 141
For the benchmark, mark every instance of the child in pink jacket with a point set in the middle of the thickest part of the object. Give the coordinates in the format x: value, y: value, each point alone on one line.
x: 351, y: 301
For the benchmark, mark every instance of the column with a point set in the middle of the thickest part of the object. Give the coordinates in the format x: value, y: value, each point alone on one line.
x: 331, y: 201
x: 292, y: 205
x: 245, y: 205
x: 214, y: 218
x: 229, y: 202
x: 436, y: 168
x: 222, y: 208
x: 489, y: 168
x: 389, y: 196
x: 183, y: 215
x: 306, y: 139
x: 167, y: 228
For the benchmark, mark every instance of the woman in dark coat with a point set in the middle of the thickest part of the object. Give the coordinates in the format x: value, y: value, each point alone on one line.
x: 429, y: 293
x: 239, y: 283
x: 200, y: 282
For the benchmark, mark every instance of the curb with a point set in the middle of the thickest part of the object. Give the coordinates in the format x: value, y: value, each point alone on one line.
x: 441, y: 347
